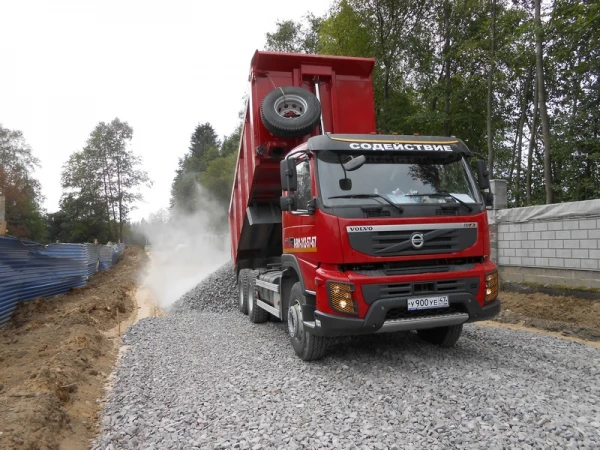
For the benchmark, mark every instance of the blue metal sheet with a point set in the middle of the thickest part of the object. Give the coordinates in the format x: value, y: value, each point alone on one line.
x: 29, y: 270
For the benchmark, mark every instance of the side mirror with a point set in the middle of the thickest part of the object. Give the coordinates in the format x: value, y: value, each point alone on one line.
x: 355, y: 163
x: 345, y: 184
x: 288, y: 202
x: 488, y: 198
x: 288, y: 174
x: 483, y: 176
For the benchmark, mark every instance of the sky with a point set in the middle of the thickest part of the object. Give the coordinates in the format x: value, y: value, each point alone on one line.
x: 162, y: 66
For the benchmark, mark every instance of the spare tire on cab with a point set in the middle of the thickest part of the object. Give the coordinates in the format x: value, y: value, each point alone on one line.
x: 290, y: 112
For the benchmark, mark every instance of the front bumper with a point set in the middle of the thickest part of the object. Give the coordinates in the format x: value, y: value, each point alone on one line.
x: 464, y: 307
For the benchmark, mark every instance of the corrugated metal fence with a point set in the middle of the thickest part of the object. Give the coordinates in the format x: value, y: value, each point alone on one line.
x: 30, y: 270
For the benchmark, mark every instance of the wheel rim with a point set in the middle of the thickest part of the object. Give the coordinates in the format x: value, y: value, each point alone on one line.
x: 241, y: 295
x: 294, y: 320
x: 290, y: 106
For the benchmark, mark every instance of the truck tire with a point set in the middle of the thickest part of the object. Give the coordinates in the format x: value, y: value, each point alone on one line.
x: 243, y: 291
x: 290, y: 112
x: 307, y: 346
x: 256, y: 313
x: 442, y: 336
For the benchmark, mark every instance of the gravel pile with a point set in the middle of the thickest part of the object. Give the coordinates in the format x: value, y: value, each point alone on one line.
x: 216, y: 293
x: 207, y: 380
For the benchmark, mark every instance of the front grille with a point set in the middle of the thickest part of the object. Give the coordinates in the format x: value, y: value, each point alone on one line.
x: 409, y: 267
x: 399, y: 242
x: 393, y: 241
x: 404, y: 313
x: 372, y: 292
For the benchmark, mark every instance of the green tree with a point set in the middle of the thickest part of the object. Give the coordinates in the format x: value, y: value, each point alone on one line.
x: 204, y: 147
x: 21, y: 190
x: 101, y: 182
x: 295, y: 37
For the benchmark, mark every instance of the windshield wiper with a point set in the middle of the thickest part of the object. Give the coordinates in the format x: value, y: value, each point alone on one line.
x: 442, y: 194
x: 368, y: 196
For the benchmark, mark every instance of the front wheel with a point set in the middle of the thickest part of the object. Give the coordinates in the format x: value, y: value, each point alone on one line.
x: 307, y: 346
x: 442, y: 336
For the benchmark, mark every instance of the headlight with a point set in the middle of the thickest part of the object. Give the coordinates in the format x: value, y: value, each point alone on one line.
x: 340, y: 297
x: 491, y: 286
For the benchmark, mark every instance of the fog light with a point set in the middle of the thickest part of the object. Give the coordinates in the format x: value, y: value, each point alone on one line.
x: 491, y: 286
x: 340, y: 297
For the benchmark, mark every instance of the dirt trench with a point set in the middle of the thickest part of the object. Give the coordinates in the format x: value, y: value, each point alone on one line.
x: 56, y: 356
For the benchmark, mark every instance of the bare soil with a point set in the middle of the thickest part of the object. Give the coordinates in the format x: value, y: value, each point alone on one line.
x: 56, y: 355
x: 568, y: 315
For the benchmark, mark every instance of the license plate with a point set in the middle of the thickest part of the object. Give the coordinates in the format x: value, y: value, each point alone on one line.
x: 427, y: 302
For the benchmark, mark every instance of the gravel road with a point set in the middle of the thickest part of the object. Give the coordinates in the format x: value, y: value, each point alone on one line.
x: 210, y: 379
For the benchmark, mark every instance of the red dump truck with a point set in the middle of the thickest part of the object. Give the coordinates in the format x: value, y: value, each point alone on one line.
x: 339, y: 230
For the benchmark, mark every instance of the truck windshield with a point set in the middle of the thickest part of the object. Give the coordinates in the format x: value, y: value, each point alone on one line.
x: 401, y: 178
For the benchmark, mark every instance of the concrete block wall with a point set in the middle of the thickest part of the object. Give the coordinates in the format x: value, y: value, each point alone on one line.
x: 570, y: 244
x: 550, y: 244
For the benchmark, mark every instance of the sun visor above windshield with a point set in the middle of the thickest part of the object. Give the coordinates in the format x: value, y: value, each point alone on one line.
x: 431, y: 145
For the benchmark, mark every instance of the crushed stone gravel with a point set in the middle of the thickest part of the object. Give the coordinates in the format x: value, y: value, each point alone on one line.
x: 207, y: 378
x: 216, y: 293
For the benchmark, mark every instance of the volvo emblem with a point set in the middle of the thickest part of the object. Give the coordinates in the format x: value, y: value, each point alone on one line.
x: 417, y: 240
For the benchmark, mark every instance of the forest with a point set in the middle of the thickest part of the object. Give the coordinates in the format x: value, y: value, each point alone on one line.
x: 517, y: 81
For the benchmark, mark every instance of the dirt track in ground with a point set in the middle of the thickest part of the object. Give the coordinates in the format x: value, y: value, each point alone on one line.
x: 56, y: 355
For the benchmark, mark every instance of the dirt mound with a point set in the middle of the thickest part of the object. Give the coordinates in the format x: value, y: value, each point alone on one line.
x: 568, y: 315
x: 55, y: 357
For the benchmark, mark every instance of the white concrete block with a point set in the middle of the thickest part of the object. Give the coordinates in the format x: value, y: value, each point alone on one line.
x: 584, y: 254
x: 587, y: 224
x: 556, y: 262
x: 534, y: 253
x: 548, y: 234
x: 541, y: 262
x: 563, y: 234
x: 571, y: 243
x: 540, y: 226
x: 563, y: 253
x: 557, y: 243
x: 534, y: 235
x: 579, y: 234
x: 548, y: 253
x: 570, y: 225
x: 528, y: 244
x: 541, y: 244
x: 573, y: 263
x: 589, y: 264
x: 555, y: 225
x: 588, y: 243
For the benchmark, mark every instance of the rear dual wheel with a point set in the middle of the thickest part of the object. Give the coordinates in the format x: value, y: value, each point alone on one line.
x: 255, y: 312
x: 243, y: 291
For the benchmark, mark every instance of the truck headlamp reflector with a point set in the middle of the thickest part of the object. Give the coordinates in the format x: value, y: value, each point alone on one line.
x: 340, y: 296
x: 491, y: 286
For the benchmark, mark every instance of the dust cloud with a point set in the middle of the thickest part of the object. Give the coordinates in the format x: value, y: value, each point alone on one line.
x: 185, y: 248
